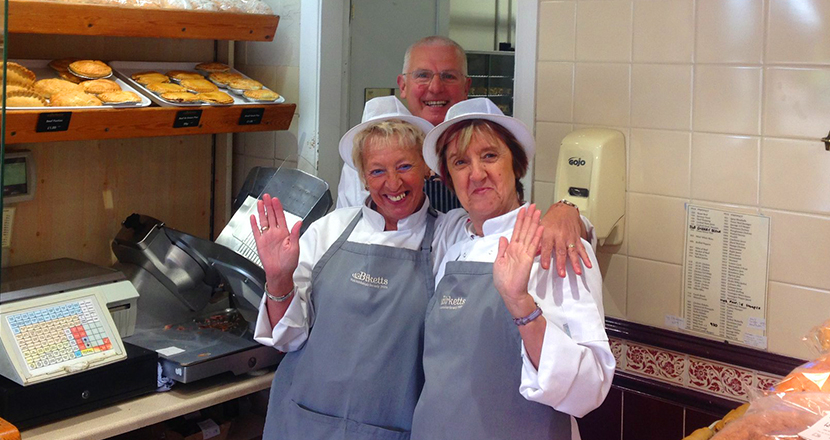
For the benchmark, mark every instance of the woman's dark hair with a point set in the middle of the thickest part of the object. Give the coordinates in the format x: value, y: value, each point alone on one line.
x: 462, y: 133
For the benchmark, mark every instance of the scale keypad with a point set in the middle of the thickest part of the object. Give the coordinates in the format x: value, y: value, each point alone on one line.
x: 59, y: 333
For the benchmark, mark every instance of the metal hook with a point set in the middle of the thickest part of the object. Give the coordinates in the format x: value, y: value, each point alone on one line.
x: 826, y: 141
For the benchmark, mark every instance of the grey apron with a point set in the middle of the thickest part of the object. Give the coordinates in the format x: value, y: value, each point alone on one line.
x: 473, y: 367
x: 359, y: 374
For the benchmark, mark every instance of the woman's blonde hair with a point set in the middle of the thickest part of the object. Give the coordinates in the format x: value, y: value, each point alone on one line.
x: 462, y: 134
x: 407, y: 135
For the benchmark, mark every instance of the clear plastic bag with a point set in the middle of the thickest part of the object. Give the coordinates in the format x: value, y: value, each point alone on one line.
x: 778, y: 416
x: 812, y: 376
x: 255, y: 7
x: 818, y: 338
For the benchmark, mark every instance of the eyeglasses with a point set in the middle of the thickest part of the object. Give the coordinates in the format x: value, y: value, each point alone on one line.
x: 423, y: 76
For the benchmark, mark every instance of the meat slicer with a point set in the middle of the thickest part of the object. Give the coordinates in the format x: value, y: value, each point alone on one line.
x: 198, y: 299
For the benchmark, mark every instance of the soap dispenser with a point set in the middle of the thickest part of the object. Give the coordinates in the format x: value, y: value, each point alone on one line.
x: 590, y: 173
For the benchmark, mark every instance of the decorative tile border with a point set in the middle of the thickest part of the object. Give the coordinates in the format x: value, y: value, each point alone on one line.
x: 692, y: 372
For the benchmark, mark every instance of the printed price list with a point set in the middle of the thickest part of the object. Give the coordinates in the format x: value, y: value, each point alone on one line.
x: 725, y: 275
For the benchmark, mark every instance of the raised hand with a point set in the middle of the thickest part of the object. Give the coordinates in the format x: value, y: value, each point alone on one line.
x: 279, y: 249
x: 511, y: 270
x: 563, y: 230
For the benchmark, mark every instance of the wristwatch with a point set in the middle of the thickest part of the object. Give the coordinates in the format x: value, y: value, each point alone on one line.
x: 566, y: 202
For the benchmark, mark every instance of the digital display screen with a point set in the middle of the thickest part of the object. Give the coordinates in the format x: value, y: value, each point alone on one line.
x: 14, y: 176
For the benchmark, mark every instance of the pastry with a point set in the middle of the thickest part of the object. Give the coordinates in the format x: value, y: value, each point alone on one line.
x: 93, y: 69
x: 224, y: 77
x: 62, y: 65
x: 119, y: 97
x: 73, y: 98
x: 145, y: 78
x: 199, y: 85
x: 18, y: 74
x: 165, y: 87
x: 262, y: 95
x: 24, y: 98
x: 245, y: 84
x: 17, y: 88
x: 51, y: 86
x: 98, y: 86
x: 184, y: 74
x: 180, y: 97
x: 67, y: 75
x: 213, y: 67
x: 216, y: 97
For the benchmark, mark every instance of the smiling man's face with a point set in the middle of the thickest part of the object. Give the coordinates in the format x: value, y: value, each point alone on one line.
x: 432, y: 100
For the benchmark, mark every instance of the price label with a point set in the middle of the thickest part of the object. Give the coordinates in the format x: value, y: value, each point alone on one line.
x: 251, y: 116
x: 819, y: 431
x: 187, y: 118
x: 48, y: 122
x: 209, y: 429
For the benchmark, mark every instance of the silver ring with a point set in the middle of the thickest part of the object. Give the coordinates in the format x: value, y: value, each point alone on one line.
x: 263, y: 229
x: 571, y: 246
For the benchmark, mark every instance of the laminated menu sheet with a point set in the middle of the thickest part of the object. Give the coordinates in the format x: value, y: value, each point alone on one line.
x: 725, y: 269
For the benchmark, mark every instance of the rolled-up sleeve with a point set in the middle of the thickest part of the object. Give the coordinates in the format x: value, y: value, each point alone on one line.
x: 291, y: 331
x: 576, y: 365
x: 572, y: 378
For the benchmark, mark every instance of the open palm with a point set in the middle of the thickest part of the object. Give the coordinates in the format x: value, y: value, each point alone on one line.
x: 511, y: 270
x: 279, y: 249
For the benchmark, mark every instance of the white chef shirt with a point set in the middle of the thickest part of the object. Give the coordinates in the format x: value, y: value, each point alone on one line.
x: 350, y: 192
x: 291, y: 331
x: 576, y: 366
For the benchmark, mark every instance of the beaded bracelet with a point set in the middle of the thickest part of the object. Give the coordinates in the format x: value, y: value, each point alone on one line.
x: 527, y: 319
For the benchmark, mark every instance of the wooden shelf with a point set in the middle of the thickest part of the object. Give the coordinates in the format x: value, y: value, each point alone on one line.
x: 143, y: 122
x: 41, y: 17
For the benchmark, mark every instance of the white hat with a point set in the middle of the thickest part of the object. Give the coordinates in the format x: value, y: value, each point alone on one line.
x: 379, y: 109
x: 476, y: 108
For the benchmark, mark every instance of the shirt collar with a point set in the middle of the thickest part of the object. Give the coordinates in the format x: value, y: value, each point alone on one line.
x: 497, y: 225
x: 378, y: 223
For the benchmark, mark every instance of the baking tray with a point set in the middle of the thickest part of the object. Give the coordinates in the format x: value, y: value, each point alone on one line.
x: 125, y: 69
x: 43, y: 71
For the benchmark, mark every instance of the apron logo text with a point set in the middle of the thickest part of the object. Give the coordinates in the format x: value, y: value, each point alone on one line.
x: 367, y: 280
x: 450, y: 303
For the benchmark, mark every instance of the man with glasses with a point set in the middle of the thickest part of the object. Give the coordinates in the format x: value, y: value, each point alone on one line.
x: 434, y: 78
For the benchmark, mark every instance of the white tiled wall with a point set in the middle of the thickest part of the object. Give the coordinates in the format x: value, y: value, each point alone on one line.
x: 722, y: 103
x: 277, y: 65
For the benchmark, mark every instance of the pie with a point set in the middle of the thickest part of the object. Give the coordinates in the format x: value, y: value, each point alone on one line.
x: 224, y: 77
x: 165, y: 87
x: 245, y: 84
x: 199, y: 85
x: 262, y: 95
x: 18, y: 74
x: 213, y: 67
x: 62, y: 65
x: 98, y: 86
x: 93, y: 69
x: 119, y: 97
x: 24, y: 98
x: 150, y: 77
x: 70, y: 77
x: 180, y: 97
x: 51, y: 86
x: 73, y: 98
x: 16, y: 88
x: 216, y: 97
x: 184, y: 74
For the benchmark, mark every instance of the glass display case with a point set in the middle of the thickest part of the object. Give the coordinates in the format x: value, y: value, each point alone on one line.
x: 492, y: 77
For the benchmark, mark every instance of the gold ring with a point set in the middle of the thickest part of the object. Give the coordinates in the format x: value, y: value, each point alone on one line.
x: 263, y: 229
x: 571, y: 246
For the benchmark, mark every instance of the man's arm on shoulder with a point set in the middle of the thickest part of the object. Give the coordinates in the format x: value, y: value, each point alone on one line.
x: 561, y: 240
